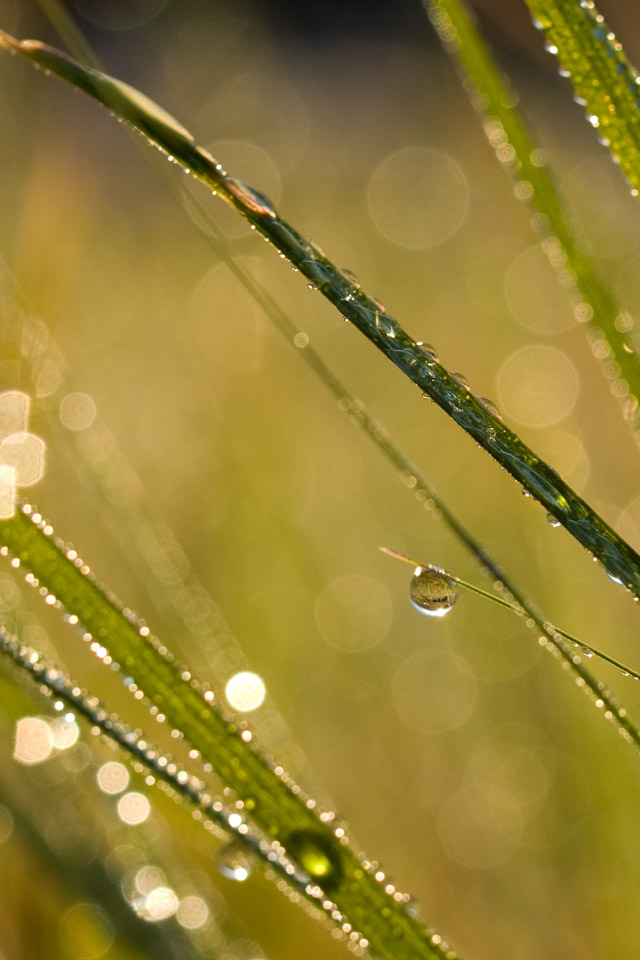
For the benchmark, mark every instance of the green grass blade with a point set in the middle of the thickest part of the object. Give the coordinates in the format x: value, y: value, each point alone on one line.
x: 605, y: 81
x: 595, y: 302
x: 338, y: 880
x: 537, y: 477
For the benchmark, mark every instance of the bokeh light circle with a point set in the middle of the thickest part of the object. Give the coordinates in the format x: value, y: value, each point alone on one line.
x: 418, y: 197
x: 537, y: 386
x: 353, y: 613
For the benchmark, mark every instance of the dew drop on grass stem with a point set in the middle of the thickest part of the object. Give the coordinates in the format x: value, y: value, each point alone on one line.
x: 432, y: 592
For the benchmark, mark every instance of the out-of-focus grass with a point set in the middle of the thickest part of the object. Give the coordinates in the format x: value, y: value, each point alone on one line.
x: 519, y: 805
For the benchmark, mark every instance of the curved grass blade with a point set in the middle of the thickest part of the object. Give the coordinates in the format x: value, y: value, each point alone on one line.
x: 541, y: 481
x: 595, y: 302
x: 606, y: 83
x: 340, y: 882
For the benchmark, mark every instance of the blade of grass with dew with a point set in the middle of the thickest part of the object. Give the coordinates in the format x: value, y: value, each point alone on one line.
x: 343, y: 884
x: 519, y: 611
x: 541, y: 481
x: 594, y: 301
x: 492, y: 96
x: 148, y: 757
x: 605, y: 82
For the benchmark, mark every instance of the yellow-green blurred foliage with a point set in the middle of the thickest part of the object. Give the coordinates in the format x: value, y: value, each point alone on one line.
x: 462, y: 757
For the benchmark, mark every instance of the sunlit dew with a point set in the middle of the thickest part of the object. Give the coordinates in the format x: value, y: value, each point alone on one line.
x: 418, y: 197
x: 25, y: 453
x: 234, y: 861
x: 534, y: 297
x: 159, y: 904
x: 432, y: 592
x: 77, y: 411
x: 315, y: 855
x: 192, y: 913
x: 85, y: 931
x: 33, y: 742
x: 133, y: 808
x: 538, y: 385
x: 245, y: 691
x: 113, y: 777
x: 64, y: 732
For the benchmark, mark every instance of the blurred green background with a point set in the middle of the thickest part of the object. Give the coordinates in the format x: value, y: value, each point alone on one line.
x: 459, y: 754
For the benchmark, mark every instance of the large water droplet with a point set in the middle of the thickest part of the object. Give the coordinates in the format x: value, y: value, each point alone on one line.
x: 461, y: 379
x: 553, y: 521
x: 490, y: 406
x: 432, y: 592
x: 253, y: 199
x: 386, y: 325
x: 235, y: 861
x: 314, y: 854
x: 429, y: 350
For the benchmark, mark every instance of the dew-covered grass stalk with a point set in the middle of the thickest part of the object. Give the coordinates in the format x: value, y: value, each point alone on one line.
x: 341, y: 882
x: 281, y: 824
x: 367, y: 314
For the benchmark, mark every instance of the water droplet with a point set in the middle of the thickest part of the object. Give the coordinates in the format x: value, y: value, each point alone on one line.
x: 586, y: 652
x: 255, y: 201
x: 351, y: 277
x: 461, y: 379
x: 490, y: 406
x: 432, y: 592
x: 386, y: 325
x: 235, y: 861
x: 553, y: 521
x: 313, y: 852
x: 429, y: 350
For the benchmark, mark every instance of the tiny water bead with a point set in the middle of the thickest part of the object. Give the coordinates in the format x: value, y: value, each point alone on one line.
x: 432, y: 592
x: 235, y: 861
x: 314, y: 854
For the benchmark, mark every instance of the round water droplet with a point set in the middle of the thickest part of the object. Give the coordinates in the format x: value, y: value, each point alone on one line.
x: 235, y: 861
x: 429, y: 350
x: 586, y: 652
x: 553, y: 521
x: 386, y: 325
x: 461, y: 379
x: 253, y: 199
x: 490, y: 406
x: 432, y: 592
x: 314, y: 853
x: 351, y: 277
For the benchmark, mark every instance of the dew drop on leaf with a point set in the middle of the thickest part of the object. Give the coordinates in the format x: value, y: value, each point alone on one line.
x: 553, y: 521
x: 432, y: 592
x: 235, y: 861
x: 314, y: 854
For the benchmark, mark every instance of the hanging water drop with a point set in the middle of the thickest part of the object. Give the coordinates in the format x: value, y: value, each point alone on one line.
x: 553, y: 521
x: 490, y: 406
x: 234, y: 861
x: 461, y: 379
x: 432, y: 592
x: 253, y: 199
x: 314, y: 853
x: 429, y: 350
x: 351, y: 277
x: 386, y: 325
